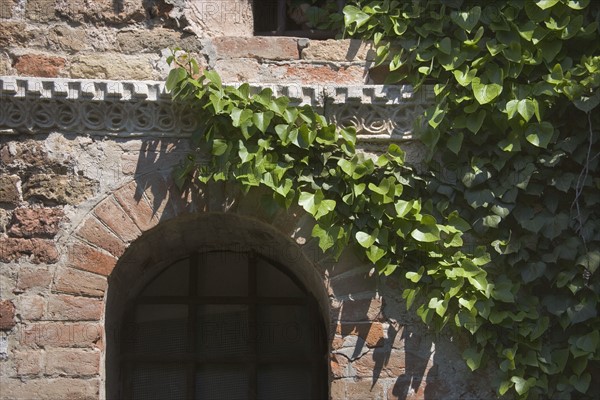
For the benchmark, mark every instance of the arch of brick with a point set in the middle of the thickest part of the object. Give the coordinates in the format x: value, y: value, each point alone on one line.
x: 141, y: 226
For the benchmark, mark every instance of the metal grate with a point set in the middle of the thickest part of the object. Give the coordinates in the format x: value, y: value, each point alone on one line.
x: 272, y: 18
x: 238, y: 339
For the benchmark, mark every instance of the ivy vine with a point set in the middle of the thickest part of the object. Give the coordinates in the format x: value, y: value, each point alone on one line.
x: 501, y: 236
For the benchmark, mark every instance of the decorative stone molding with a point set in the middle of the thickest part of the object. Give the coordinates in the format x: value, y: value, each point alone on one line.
x: 136, y: 108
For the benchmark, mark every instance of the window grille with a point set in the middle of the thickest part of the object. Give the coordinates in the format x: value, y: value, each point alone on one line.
x: 224, y: 325
x: 272, y: 18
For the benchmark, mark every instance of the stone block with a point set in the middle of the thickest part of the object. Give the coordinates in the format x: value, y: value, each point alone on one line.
x: 208, y: 18
x: 7, y: 8
x: 35, y: 222
x: 41, y: 10
x: 62, y: 334
x: 80, y: 283
x: 58, y: 189
x: 155, y: 40
x: 65, y: 38
x: 38, y: 250
x: 50, y: 389
x: 9, y: 189
x: 96, y: 233
x: 14, y: 33
x: 72, y: 362
x: 7, y: 315
x: 36, y: 277
x: 102, y: 11
x: 240, y: 70
x: 74, y: 308
x: 6, y: 68
x: 87, y: 258
x: 338, y: 50
x: 5, y: 217
x: 111, y: 66
x: 258, y: 47
x: 40, y: 65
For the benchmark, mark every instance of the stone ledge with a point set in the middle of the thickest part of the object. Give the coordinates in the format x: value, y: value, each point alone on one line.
x: 379, y: 113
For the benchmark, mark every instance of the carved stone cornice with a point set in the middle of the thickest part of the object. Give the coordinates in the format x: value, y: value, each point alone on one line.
x: 145, y: 108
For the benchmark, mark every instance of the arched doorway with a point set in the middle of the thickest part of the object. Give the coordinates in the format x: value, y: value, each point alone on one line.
x: 212, y: 319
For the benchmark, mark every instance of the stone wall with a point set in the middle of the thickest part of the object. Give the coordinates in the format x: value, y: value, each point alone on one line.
x: 131, y: 39
x: 85, y: 183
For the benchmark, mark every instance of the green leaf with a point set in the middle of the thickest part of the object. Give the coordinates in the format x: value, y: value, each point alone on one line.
x: 539, y: 134
x: 214, y: 77
x: 522, y: 386
x: 544, y: 4
x: 472, y: 357
x: 366, y: 240
x: 262, y: 120
x: 455, y: 142
x: 528, y: 108
x: 475, y: 122
x: 485, y: 93
x: 468, y: 19
x: 581, y: 383
x: 426, y: 232
x: 533, y: 271
x: 176, y: 75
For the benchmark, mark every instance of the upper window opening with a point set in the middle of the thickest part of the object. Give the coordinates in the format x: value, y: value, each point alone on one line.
x: 224, y: 325
x: 301, y: 18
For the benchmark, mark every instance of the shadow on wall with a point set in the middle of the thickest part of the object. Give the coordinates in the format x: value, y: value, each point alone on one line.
x: 377, y: 349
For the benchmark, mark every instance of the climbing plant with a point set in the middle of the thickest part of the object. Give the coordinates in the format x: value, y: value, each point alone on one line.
x: 500, y: 237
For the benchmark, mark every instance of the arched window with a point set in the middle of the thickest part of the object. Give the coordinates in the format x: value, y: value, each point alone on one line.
x: 223, y: 325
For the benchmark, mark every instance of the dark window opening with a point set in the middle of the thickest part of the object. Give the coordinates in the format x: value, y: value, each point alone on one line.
x: 224, y: 325
x: 289, y: 17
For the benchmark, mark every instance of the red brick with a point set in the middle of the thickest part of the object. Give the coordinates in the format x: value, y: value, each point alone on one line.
x: 33, y: 278
x: 111, y: 213
x: 135, y: 205
x: 361, y: 310
x: 69, y: 280
x: 390, y: 364
x: 166, y: 199
x: 74, y: 308
x: 372, y: 333
x: 31, y: 307
x: 96, y: 233
x: 339, y: 366
x: 35, y: 222
x: 29, y: 362
x: 7, y: 315
x: 62, y: 334
x: 39, y: 250
x: 39, y: 65
x: 72, y: 362
x: 259, y: 47
x: 87, y: 258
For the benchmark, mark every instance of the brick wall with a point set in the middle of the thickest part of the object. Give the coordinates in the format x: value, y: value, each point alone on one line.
x: 78, y: 205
